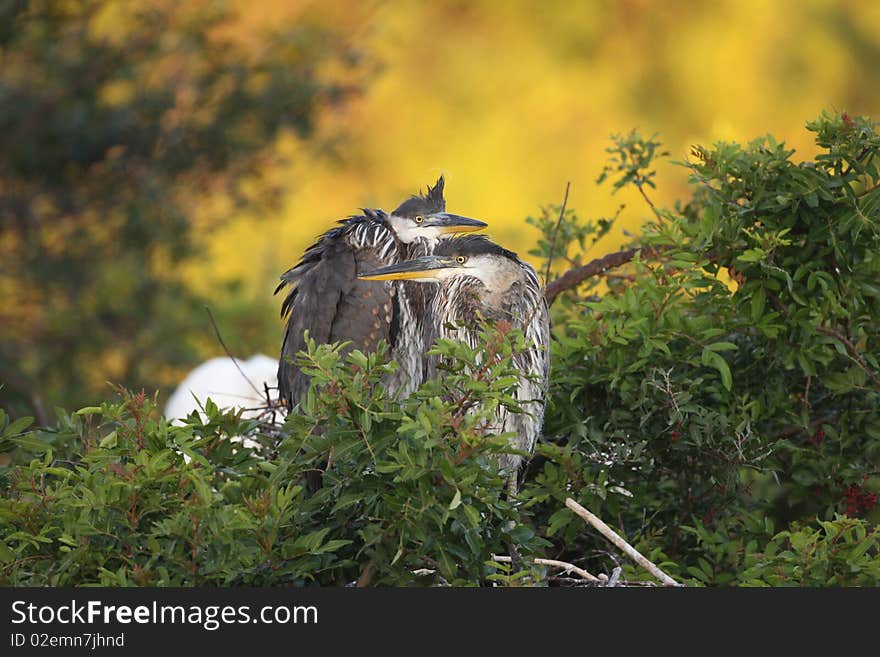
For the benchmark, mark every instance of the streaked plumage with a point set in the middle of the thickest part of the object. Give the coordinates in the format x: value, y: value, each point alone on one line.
x: 480, y: 279
x: 329, y: 301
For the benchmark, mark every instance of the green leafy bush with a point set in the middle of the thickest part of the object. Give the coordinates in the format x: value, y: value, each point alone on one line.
x: 678, y: 395
x: 412, y: 488
x: 839, y: 552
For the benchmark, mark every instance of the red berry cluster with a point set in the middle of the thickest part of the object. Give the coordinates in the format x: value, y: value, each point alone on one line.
x: 857, y: 500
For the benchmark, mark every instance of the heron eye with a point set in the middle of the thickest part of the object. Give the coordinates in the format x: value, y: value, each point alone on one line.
x: 419, y: 219
x: 460, y: 260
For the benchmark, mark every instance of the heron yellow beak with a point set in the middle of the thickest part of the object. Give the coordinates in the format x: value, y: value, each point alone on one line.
x: 424, y: 269
x: 395, y: 276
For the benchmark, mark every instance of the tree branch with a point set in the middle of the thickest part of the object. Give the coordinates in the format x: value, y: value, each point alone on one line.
x: 867, y: 191
x: 229, y: 353
x: 366, y: 576
x: 574, y: 277
x: 849, y: 167
x: 860, y: 361
x: 566, y: 567
x: 794, y: 430
x: 616, y: 539
x: 556, y: 234
x: 650, y: 204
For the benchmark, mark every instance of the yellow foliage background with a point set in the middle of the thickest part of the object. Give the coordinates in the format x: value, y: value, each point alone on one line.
x: 510, y: 100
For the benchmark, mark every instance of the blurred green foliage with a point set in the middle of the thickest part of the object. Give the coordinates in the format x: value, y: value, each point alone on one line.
x: 719, y: 406
x: 119, y: 122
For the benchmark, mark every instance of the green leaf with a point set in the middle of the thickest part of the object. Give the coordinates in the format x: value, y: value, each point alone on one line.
x: 90, y: 410
x: 752, y: 255
x: 32, y: 443
x: 715, y: 360
x: 757, y: 304
x: 722, y: 346
x: 333, y: 545
x: 473, y: 515
x: 6, y: 554
x: 108, y: 441
x: 456, y: 500
x: 18, y: 426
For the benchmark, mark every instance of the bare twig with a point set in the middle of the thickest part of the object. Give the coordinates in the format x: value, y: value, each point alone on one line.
x: 566, y: 567
x: 425, y: 572
x: 794, y: 430
x: 574, y: 277
x: 573, y: 582
x: 366, y: 576
x: 555, y: 234
x: 651, y: 204
x: 667, y: 388
x: 860, y: 361
x: 229, y: 353
x: 615, y: 577
x: 867, y: 191
x: 616, y: 539
x: 849, y: 167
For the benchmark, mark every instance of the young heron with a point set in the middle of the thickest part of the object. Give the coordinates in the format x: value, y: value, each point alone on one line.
x: 480, y: 279
x: 327, y: 299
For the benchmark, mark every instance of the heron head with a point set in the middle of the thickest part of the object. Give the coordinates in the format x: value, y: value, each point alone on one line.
x: 475, y: 256
x: 424, y: 216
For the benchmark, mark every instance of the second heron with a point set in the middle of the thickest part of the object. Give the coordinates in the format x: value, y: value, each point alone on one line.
x: 481, y: 280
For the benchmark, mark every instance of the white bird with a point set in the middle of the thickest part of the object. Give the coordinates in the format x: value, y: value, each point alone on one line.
x: 220, y: 380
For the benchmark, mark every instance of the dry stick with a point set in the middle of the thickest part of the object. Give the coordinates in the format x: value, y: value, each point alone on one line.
x: 567, y: 567
x: 794, y: 430
x: 424, y: 572
x: 615, y: 538
x: 574, y: 277
x: 650, y: 203
x: 572, y: 582
x: 552, y: 248
x: 865, y: 151
x: 868, y: 191
x: 852, y: 348
x: 229, y: 353
x: 555, y: 234
x: 366, y: 576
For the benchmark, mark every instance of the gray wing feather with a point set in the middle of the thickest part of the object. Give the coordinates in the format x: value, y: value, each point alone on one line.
x: 364, y: 312
x: 332, y: 304
x: 311, y: 304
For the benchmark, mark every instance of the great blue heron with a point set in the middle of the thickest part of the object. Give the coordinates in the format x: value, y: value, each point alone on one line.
x: 332, y: 304
x: 480, y: 279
